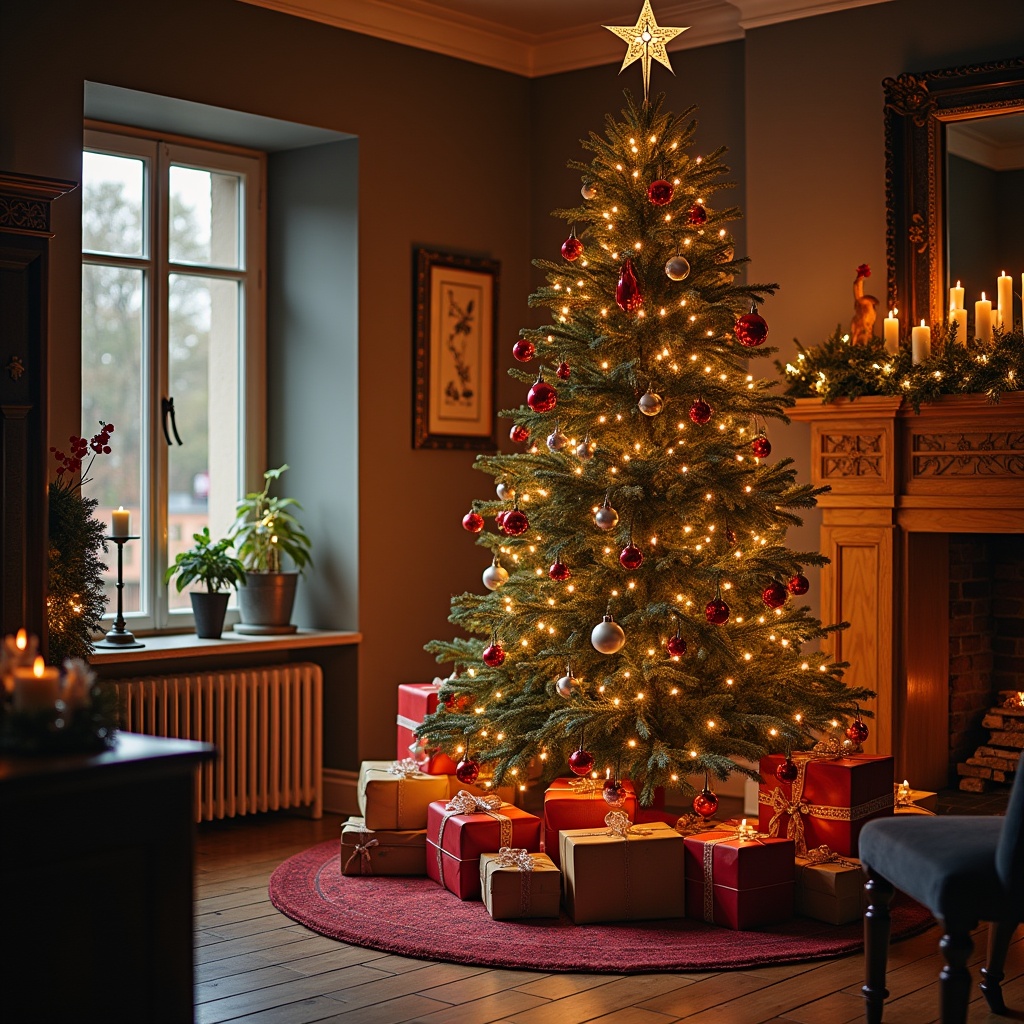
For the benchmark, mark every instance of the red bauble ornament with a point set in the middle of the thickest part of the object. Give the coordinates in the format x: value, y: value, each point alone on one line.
x: 493, y: 655
x: 467, y: 771
x: 473, y: 521
x: 705, y: 803
x: 499, y: 520
x: 563, y: 371
x: 787, y: 771
x: 559, y: 571
x: 698, y: 215
x: 580, y: 762
x: 857, y: 732
x: 456, y: 702
x: 751, y: 330
x: 627, y: 291
x: 515, y: 522
x: 701, y: 412
x: 542, y: 397
x: 717, y: 612
x: 523, y: 350
x: 799, y: 584
x: 761, y: 446
x: 631, y: 557
x: 519, y: 434
x: 774, y: 595
x: 660, y: 192
x: 572, y: 248
x: 676, y: 645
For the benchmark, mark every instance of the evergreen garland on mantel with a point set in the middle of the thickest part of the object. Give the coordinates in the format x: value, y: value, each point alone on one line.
x: 839, y: 369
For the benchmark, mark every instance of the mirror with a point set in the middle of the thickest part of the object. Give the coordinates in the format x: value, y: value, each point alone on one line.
x: 954, y: 182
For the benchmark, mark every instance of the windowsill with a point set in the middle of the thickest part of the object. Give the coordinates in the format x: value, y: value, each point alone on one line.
x: 188, y: 645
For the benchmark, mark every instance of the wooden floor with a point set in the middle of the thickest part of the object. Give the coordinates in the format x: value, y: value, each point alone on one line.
x: 255, y: 965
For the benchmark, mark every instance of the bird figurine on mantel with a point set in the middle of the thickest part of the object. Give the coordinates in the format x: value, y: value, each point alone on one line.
x: 862, y: 326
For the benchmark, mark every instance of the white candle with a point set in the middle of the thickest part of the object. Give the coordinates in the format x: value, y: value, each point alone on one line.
x: 920, y: 343
x: 122, y: 523
x: 983, y: 320
x: 35, y: 689
x: 959, y: 317
x: 956, y: 297
x: 1004, y: 301
x: 891, y: 332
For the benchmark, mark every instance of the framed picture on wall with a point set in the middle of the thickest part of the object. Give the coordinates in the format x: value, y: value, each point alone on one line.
x: 456, y: 330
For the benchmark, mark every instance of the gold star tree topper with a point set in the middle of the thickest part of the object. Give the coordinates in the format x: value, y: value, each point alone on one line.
x: 646, y: 39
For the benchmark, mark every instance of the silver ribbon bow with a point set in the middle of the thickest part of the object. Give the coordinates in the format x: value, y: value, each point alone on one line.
x: 404, y: 768
x: 514, y: 857
x: 618, y: 823
x: 465, y: 802
x: 361, y: 850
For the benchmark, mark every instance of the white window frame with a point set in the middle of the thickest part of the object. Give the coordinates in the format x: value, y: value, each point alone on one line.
x: 159, y: 151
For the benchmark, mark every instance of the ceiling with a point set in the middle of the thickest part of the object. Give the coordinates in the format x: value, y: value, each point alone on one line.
x: 544, y: 37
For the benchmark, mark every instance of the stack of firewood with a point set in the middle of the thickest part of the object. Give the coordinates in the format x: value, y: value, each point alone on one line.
x: 994, y: 763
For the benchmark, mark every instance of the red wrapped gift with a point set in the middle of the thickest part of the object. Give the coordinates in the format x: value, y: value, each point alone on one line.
x: 465, y: 827
x: 576, y: 804
x: 828, y: 802
x: 736, y: 881
x: 415, y: 702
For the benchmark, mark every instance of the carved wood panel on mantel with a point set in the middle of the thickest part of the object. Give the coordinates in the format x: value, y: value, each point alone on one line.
x: 896, y: 477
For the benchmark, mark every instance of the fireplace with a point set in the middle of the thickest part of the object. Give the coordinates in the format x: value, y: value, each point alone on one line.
x: 901, y: 484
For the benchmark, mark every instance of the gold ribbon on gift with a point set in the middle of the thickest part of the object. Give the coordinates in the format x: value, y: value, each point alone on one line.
x: 797, y: 808
x: 465, y: 802
x: 690, y: 824
x: 515, y: 857
x: 824, y: 855
x: 362, y: 851
x: 584, y: 785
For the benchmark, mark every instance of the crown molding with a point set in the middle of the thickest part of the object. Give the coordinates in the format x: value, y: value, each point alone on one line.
x: 439, y: 29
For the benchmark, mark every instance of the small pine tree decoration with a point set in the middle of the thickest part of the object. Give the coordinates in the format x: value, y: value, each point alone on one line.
x: 649, y: 616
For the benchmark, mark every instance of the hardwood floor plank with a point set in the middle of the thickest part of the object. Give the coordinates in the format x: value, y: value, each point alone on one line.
x: 400, y: 964
x: 481, y: 985
x: 835, y: 1008
x: 633, y: 1015
x: 331, y: 959
x: 700, y: 995
x: 234, y: 915
x: 595, y: 1002
x: 231, y: 965
x: 392, y: 1011
x: 250, y: 944
x: 235, y: 984
x: 231, y: 900
x: 482, y: 1011
x: 556, y: 986
x: 251, y: 927
x: 314, y: 945
x: 423, y: 981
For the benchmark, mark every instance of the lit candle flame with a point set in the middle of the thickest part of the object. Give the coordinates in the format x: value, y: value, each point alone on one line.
x: 21, y: 640
x: 38, y: 667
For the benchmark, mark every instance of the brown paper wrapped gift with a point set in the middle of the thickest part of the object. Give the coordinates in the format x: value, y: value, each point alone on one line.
x: 395, y: 795
x: 385, y: 852
x: 515, y: 884
x: 624, y: 872
x: 829, y: 888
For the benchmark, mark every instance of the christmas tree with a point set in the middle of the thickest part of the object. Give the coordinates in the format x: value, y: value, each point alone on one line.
x: 642, y: 614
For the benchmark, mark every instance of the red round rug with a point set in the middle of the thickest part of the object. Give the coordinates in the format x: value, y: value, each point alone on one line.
x: 416, y: 917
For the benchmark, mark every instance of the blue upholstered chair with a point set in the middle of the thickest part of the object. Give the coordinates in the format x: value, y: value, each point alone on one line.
x: 964, y: 869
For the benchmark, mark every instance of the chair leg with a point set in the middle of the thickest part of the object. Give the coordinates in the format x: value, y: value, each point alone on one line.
x: 954, y: 978
x: 879, y: 893
x: 999, y: 935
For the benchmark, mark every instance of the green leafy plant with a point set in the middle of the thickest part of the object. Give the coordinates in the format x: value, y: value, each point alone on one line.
x: 265, y: 529
x: 208, y: 562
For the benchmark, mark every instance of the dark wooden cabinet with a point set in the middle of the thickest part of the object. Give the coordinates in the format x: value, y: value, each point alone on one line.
x: 96, y: 853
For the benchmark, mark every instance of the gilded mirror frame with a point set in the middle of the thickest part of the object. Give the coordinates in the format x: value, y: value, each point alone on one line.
x: 917, y: 109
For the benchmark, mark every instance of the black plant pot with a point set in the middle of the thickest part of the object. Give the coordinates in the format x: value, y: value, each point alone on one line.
x: 265, y: 603
x: 209, y: 610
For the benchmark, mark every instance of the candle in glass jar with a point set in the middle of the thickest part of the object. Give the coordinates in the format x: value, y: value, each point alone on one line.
x: 1004, y: 301
x: 920, y: 343
x: 121, y: 522
x: 891, y: 332
x: 983, y: 320
x: 959, y: 317
x: 36, y: 688
x: 956, y: 297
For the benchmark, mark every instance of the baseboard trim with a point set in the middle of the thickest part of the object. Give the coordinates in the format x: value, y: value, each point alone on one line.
x: 340, y: 796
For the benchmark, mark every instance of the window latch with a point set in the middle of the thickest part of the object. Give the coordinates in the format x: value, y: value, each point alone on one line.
x: 167, y: 410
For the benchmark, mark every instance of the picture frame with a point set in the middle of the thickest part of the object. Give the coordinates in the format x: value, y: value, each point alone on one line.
x: 455, y: 351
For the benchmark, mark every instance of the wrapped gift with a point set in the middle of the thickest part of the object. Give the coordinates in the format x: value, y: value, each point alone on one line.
x: 829, y: 888
x: 482, y: 787
x: 415, y: 702
x: 914, y: 801
x: 459, y: 830
x: 739, y: 878
x: 385, y: 852
x: 830, y: 800
x: 578, y: 804
x: 396, y: 794
x: 516, y: 884
x: 623, y: 872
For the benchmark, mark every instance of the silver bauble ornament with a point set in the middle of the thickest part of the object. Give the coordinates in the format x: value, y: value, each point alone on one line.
x: 567, y: 686
x: 588, y: 191
x: 650, y: 403
x: 585, y: 449
x: 506, y: 492
x: 678, y: 268
x: 606, y: 517
x: 607, y: 636
x: 557, y: 440
x: 494, y: 576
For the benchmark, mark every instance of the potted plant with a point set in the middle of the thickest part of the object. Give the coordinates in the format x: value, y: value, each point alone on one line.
x: 213, y: 565
x: 265, y: 533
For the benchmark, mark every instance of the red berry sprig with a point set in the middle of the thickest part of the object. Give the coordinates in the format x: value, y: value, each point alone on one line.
x: 79, y: 448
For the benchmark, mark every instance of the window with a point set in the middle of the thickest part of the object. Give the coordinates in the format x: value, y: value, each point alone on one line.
x: 172, y: 345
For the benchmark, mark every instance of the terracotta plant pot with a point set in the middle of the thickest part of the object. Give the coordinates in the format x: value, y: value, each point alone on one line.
x: 209, y: 610
x: 266, y: 601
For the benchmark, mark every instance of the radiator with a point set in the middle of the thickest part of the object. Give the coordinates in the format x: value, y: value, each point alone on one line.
x: 266, y: 724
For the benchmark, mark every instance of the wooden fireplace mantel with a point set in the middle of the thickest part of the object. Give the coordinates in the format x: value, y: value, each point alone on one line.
x: 900, y: 482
